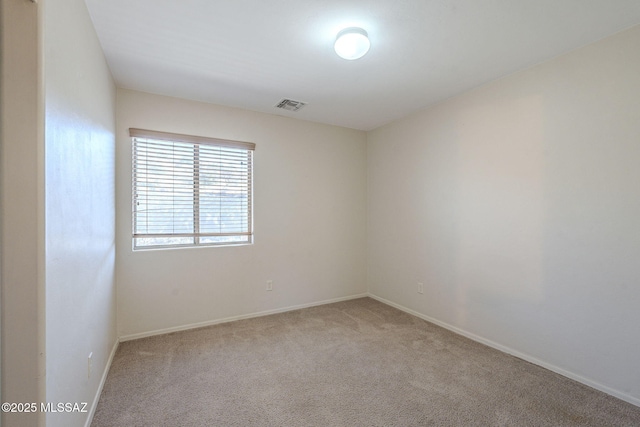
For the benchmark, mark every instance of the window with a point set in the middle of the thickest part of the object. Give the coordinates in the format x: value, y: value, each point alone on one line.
x: 190, y: 190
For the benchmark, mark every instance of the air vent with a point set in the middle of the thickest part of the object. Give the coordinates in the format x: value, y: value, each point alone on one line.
x: 290, y: 104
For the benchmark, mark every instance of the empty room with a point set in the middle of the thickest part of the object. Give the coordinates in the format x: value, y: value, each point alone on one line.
x: 320, y: 213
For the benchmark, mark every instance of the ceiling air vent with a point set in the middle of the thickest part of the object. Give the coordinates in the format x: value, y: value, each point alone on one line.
x: 290, y: 104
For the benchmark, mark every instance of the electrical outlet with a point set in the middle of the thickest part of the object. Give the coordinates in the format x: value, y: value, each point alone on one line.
x: 269, y: 285
x: 420, y: 288
x: 89, y: 362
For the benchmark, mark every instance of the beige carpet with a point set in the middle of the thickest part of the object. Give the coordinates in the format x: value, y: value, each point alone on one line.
x: 354, y: 363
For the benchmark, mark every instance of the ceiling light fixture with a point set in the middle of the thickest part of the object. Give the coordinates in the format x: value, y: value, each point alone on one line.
x: 352, y: 43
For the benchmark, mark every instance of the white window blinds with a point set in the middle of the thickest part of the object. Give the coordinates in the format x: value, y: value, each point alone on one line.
x: 190, y: 190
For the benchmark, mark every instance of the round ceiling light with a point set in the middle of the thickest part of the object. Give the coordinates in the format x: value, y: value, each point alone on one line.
x: 352, y: 43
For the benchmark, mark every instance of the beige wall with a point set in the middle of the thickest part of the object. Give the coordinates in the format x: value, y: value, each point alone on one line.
x: 79, y: 209
x: 518, y: 206
x: 58, y: 213
x: 22, y: 209
x: 309, y: 221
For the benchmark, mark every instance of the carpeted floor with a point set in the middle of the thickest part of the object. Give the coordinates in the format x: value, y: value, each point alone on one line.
x: 354, y: 363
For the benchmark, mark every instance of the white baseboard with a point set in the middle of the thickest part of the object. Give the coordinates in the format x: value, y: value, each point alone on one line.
x: 586, y: 381
x: 233, y: 318
x: 96, y: 399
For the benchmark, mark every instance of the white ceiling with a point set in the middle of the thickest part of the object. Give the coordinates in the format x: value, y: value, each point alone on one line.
x: 252, y: 53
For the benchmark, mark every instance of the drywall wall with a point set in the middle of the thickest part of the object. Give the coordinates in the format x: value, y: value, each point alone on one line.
x: 79, y: 209
x: 21, y: 217
x: 309, y: 220
x: 517, y: 206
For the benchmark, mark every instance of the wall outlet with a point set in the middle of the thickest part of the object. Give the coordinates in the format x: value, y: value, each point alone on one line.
x: 269, y: 285
x: 420, y: 288
x: 89, y: 362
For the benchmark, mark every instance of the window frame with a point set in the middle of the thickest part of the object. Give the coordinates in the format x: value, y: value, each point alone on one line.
x: 195, y: 235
